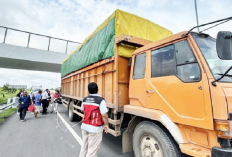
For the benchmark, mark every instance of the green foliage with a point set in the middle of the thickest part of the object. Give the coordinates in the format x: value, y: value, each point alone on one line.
x: 6, y: 88
x: 7, y: 113
x: 5, y: 95
x: 3, y: 100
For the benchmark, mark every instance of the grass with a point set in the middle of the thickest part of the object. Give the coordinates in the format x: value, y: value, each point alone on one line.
x: 3, y: 100
x: 7, y: 113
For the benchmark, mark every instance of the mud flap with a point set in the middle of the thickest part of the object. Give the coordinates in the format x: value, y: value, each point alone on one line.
x: 127, y: 138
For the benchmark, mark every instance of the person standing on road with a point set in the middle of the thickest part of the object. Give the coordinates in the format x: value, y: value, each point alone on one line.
x: 19, y: 95
x: 45, y: 101
x: 38, y: 100
x: 24, y: 102
x: 49, y: 99
x: 94, y: 121
x: 31, y: 96
x: 56, y: 101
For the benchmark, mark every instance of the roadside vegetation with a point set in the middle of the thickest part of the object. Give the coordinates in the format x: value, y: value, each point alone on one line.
x: 3, y: 98
x: 5, y: 93
x: 7, y: 113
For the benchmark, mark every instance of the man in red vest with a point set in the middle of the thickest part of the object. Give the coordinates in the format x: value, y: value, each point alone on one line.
x: 94, y: 121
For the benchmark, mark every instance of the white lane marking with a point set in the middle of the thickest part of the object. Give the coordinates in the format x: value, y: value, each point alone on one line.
x: 79, y: 140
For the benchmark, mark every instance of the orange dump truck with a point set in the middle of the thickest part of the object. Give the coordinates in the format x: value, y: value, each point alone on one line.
x: 173, y: 95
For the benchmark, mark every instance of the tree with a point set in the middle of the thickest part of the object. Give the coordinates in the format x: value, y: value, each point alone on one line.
x: 13, y: 90
x: 3, y: 95
x: 21, y: 89
x: 5, y: 87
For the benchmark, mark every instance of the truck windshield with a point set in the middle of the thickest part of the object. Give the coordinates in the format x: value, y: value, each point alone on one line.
x: 218, y: 67
x: 36, y: 90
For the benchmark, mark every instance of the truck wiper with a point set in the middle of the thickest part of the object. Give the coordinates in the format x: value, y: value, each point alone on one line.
x: 222, y: 20
x: 223, y: 75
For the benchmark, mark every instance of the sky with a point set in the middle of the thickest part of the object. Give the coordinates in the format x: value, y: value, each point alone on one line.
x: 76, y: 19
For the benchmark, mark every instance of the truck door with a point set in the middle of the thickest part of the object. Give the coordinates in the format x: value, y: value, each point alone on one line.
x: 137, y: 90
x: 174, y: 84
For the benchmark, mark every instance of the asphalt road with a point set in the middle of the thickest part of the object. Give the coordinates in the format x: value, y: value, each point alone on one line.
x: 47, y: 136
x: 43, y: 137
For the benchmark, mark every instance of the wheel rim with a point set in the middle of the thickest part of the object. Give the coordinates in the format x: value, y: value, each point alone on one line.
x: 70, y: 109
x: 149, y: 147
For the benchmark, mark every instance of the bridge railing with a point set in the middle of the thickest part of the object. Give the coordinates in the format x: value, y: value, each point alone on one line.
x: 30, y: 33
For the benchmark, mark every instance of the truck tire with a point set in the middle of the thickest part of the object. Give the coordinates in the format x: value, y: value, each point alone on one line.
x: 72, y: 116
x: 150, y: 140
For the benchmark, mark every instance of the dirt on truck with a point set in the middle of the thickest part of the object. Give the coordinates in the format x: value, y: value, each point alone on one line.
x: 172, y: 93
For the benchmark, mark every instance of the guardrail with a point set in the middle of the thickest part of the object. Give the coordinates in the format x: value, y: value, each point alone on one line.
x: 7, y: 107
x: 28, y: 43
x: 11, y: 102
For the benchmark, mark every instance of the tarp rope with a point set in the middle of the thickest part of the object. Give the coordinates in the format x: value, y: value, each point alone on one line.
x: 57, y: 120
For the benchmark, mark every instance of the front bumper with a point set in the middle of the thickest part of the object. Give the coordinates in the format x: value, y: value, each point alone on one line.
x: 221, y: 152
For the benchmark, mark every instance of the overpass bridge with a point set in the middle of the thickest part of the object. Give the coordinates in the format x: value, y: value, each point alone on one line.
x: 27, y: 58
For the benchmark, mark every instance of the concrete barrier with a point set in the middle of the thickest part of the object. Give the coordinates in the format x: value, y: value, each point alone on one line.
x: 9, y: 100
x: 16, y: 101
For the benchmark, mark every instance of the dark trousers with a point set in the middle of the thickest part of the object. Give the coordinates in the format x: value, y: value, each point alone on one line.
x: 45, y: 105
x: 23, y: 112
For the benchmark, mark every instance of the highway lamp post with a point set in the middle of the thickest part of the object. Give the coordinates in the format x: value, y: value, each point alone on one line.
x: 11, y: 91
x: 195, y: 1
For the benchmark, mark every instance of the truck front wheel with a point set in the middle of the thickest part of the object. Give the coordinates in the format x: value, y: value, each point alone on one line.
x: 150, y: 140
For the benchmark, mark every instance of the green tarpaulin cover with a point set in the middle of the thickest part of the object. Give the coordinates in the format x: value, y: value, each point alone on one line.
x: 100, y: 44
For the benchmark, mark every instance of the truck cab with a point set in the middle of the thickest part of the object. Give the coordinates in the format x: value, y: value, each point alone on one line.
x: 172, y: 88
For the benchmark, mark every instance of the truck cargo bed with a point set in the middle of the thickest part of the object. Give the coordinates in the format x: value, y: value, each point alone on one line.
x: 111, y: 75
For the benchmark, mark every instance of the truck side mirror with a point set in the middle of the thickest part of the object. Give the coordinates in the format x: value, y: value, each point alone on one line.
x: 224, y: 45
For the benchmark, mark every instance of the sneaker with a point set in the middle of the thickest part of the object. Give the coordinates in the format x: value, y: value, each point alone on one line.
x: 18, y: 113
x: 23, y: 120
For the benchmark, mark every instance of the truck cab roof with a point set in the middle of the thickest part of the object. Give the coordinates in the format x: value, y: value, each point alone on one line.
x: 164, y: 41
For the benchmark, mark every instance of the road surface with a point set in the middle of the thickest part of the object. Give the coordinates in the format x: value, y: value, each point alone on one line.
x: 48, y: 136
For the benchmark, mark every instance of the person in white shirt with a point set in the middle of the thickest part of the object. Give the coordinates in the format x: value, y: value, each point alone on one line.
x: 45, y: 101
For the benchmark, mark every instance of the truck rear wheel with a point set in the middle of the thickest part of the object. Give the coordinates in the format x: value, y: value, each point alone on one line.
x: 72, y: 116
x: 150, y: 140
